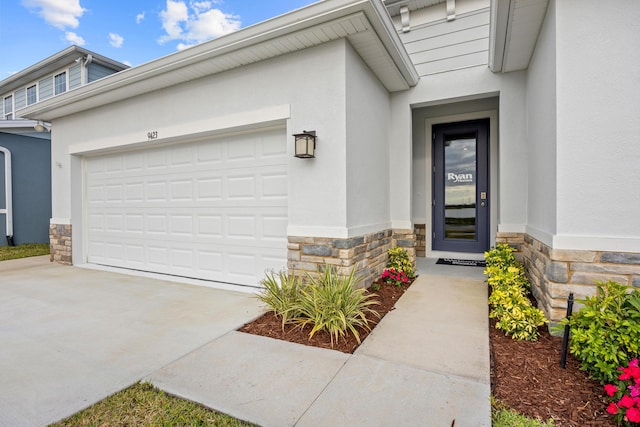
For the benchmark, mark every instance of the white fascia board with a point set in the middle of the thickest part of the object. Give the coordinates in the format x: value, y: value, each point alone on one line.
x: 164, y: 72
x: 498, y: 27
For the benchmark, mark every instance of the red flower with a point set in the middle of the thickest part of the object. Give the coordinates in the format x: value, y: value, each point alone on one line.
x: 385, y: 274
x: 633, y: 414
x: 612, y: 408
x: 404, y: 279
x: 626, y: 402
x: 610, y: 389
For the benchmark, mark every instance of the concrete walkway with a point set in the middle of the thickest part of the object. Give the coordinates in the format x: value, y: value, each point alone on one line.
x: 425, y: 364
x: 73, y: 336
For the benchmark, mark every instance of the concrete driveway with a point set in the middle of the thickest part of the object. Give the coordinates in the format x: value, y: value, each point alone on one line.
x: 72, y: 336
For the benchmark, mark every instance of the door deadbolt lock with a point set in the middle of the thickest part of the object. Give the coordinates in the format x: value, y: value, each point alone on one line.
x: 483, y: 195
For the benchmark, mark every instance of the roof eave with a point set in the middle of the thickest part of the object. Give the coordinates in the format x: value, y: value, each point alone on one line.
x: 163, y: 72
x: 511, y: 43
x: 54, y: 62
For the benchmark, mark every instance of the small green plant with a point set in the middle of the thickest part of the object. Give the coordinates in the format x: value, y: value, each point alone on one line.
x: 331, y: 302
x: 625, y: 395
x: 500, y: 256
x: 281, y: 293
x: 501, y: 416
x: 399, y: 261
x: 509, y: 300
x: 605, y: 333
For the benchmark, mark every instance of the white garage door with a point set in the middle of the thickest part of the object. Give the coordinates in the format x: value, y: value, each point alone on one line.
x: 213, y: 210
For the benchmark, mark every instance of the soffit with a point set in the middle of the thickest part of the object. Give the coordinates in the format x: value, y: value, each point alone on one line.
x: 515, y: 25
x: 393, y: 6
x: 364, y: 23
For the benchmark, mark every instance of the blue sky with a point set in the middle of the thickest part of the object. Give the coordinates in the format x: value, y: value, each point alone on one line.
x: 129, y: 31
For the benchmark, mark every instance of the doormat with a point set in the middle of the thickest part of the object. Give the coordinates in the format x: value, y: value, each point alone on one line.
x: 463, y: 262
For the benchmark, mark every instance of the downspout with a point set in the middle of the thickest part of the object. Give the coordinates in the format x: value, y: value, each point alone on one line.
x: 8, y: 208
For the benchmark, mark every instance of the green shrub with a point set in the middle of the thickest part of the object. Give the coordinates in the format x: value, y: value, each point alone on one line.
x: 330, y: 302
x: 500, y: 256
x: 281, y: 293
x: 605, y: 333
x: 400, y: 262
x: 509, y: 300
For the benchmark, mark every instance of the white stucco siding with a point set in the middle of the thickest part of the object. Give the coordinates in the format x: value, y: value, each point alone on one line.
x: 305, y: 91
x: 367, y: 113
x: 598, y: 126
x: 471, y: 86
x: 542, y: 134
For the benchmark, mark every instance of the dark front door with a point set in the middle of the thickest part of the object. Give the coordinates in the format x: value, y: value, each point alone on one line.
x: 461, y: 186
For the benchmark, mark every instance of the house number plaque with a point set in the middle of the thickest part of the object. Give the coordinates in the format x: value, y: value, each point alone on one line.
x: 152, y: 135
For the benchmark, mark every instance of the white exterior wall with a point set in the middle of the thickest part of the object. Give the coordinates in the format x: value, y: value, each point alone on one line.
x: 368, y: 110
x: 456, y: 83
x: 305, y: 91
x: 598, y: 110
x: 508, y: 153
x: 542, y: 134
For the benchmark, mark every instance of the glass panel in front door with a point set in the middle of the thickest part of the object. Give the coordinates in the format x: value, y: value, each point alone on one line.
x: 460, y: 187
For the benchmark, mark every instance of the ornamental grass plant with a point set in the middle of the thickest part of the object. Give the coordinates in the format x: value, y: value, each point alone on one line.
x: 328, y: 302
x: 331, y: 303
x: 281, y: 293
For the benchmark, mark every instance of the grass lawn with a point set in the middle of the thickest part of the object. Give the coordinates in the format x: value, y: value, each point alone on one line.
x: 502, y: 416
x: 23, y: 251
x: 145, y: 405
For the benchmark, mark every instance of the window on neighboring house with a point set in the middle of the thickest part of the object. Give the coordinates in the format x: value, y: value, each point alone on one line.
x: 60, y: 83
x: 8, y: 107
x: 32, y: 95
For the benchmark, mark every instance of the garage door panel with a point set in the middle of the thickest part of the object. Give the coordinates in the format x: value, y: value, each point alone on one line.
x: 214, y: 210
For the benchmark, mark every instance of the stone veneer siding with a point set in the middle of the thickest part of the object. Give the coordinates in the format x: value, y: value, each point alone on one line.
x: 554, y: 273
x: 60, y: 243
x: 421, y: 239
x: 367, y: 253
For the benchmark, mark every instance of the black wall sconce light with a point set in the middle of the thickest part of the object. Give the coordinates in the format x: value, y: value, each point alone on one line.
x: 305, y: 144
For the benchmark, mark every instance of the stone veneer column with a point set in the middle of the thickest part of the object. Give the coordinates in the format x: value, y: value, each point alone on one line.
x: 60, y: 243
x: 420, y: 231
x: 554, y: 273
x: 405, y: 239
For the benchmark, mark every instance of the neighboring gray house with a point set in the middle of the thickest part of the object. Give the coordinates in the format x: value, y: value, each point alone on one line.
x: 443, y: 126
x: 25, y: 145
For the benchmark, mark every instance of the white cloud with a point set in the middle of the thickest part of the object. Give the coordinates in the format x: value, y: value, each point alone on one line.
x: 115, y: 40
x: 127, y: 63
x: 183, y: 46
x: 172, y: 17
x: 61, y: 14
x: 74, y: 38
x: 139, y: 17
x: 195, y: 23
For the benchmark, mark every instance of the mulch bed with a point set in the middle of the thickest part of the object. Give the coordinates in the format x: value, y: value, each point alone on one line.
x: 269, y: 326
x: 526, y: 376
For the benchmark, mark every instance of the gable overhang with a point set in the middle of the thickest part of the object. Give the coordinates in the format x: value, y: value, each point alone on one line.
x: 514, y: 29
x: 54, y: 63
x: 364, y: 23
